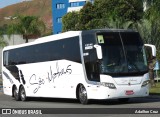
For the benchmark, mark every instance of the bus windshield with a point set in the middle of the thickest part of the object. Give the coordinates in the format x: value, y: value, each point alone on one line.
x: 123, y: 53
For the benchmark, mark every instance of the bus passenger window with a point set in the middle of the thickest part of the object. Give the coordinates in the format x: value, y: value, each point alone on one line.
x: 5, y: 59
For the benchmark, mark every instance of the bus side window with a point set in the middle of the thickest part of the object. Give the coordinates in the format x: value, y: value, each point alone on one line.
x: 5, y: 58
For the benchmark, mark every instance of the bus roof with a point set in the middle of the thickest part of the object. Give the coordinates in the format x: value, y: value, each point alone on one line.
x: 63, y: 36
x: 46, y: 39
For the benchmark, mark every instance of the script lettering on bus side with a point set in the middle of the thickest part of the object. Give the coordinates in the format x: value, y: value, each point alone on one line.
x: 51, y: 76
x: 33, y: 81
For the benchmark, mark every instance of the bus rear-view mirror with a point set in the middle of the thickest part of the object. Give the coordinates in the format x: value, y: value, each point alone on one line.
x: 99, y: 51
x: 151, y: 49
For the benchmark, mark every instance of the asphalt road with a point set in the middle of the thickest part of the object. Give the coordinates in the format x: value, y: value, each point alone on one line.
x: 52, y: 104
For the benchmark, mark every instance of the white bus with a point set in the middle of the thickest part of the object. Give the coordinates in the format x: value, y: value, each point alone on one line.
x: 84, y: 65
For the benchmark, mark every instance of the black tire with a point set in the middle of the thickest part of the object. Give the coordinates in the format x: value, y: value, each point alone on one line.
x: 16, y: 94
x: 123, y: 100
x: 83, y: 95
x: 23, y: 96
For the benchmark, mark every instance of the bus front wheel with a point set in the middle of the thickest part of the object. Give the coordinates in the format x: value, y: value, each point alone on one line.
x: 23, y: 94
x: 83, y: 95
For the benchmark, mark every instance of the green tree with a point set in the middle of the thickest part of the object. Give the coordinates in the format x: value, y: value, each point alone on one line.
x: 153, y: 12
x: 108, y: 14
x: 119, y: 23
x: 3, y: 43
x: 104, y: 8
x: 129, y: 10
x: 86, y: 15
x: 151, y: 22
x: 70, y: 21
x: 27, y: 26
x: 3, y: 29
x: 148, y: 3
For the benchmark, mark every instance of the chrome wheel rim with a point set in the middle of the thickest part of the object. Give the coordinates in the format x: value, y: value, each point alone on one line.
x: 15, y: 92
x: 23, y: 95
x: 82, y: 94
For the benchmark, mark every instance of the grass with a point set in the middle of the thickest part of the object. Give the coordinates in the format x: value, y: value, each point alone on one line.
x: 155, y: 90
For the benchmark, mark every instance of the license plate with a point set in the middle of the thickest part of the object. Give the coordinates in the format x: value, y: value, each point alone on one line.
x: 129, y: 92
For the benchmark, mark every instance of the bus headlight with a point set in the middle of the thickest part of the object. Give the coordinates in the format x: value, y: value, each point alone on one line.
x: 109, y: 85
x: 145, y: 83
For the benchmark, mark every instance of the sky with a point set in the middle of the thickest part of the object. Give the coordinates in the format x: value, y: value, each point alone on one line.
x: 4, y: 3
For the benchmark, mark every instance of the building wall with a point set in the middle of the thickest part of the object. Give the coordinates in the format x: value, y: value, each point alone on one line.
x: 57, y: 13
x: 62, y: 7
x: 13, y: 40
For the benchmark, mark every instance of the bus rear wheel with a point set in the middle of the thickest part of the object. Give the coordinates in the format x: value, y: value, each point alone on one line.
x: 16, y: 94
x: 23, y: 96
x: 83, y: 95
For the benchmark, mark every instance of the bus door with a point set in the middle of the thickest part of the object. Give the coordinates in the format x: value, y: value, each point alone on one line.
x: 90, y: 57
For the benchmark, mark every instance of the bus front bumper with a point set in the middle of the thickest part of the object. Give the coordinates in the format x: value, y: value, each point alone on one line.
x: 102, y: 92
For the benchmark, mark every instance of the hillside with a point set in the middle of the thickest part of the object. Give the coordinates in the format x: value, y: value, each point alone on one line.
x: 40, y: 8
